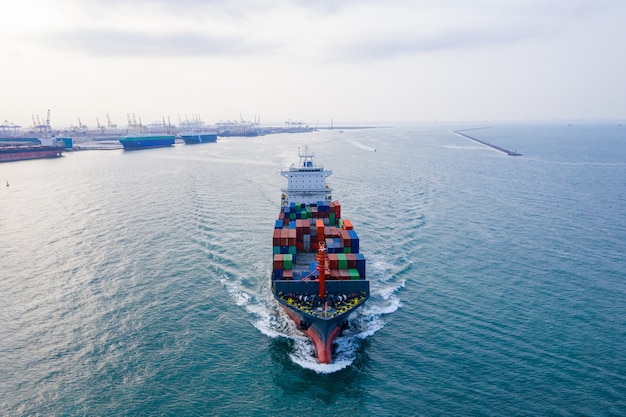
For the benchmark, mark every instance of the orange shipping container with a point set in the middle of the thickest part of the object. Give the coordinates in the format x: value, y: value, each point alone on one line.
x: 319, y: 225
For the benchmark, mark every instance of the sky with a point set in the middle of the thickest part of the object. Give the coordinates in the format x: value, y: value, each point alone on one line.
x: 349, y: 61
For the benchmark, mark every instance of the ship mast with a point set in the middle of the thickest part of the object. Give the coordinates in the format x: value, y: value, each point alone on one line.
x: 321, y: 268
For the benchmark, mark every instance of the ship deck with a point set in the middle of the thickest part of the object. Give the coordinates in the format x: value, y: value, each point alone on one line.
x: 344, y: 295
x: 323, y: 309
x: 302, y: 265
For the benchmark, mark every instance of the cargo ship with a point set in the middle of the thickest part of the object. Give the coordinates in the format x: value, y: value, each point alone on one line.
x: 18, y: 149
x: 155, y: 135
x: 146, y: 141
x: 195, y: 131
x: 203, y: 136
x: 318, y: 274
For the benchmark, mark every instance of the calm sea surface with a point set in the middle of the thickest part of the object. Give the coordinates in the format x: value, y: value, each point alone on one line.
x: 137, y: 283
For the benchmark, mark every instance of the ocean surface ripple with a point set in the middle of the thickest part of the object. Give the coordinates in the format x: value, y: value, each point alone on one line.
x: 137, y: 283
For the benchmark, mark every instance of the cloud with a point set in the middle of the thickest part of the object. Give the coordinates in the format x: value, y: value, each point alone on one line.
x: 103, y: 42
x: 380, y: 48
x: 377, y: 31
x: 320, y: 31
x: 364, y: 58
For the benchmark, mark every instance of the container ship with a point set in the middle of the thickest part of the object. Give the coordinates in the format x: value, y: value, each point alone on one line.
x: 318, y: 274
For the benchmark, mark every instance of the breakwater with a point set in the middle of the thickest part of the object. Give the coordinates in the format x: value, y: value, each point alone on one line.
x: 506, y: 151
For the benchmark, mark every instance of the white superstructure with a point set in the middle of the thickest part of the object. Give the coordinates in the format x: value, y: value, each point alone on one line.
x: 306, y: 183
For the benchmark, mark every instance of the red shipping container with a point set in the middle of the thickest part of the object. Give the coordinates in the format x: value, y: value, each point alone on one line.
x: 278, y: 261
x: 332, y: 261
x: 276, y: 237
x: 347, y: 224
x: 291, y: 237
x: 284, y: 237
x: 351, y: 258
x: 337, y: 210
x: 346, y: 240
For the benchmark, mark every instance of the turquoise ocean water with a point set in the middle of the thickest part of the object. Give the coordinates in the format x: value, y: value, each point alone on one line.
x: 137, y: 283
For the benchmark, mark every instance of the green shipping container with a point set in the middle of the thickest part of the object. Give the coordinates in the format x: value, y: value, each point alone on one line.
x: 342, y: 261
x: 354, y: 274
x: 288, y: 261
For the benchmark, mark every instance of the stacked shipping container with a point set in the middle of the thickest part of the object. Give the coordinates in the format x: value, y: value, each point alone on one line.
x: 301, y: 227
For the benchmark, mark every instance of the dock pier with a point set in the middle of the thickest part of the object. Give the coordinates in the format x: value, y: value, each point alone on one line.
x: 506, y: 151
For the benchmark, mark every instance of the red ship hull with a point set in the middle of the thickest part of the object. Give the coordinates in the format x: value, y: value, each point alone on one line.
x: 22, y: 153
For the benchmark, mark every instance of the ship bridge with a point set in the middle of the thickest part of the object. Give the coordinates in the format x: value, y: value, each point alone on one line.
x: 306, y: 182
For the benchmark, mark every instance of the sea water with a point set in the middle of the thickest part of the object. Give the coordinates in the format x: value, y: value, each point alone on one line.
x: 137, y: 283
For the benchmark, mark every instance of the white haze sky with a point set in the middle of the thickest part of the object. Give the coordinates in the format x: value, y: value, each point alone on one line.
x: 362, y: 61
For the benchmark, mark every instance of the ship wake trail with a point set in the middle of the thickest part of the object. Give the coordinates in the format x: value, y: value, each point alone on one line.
x: 361, y: 145
x: 362, y: 324
x: 239, y: 296
x: 272, y: 321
